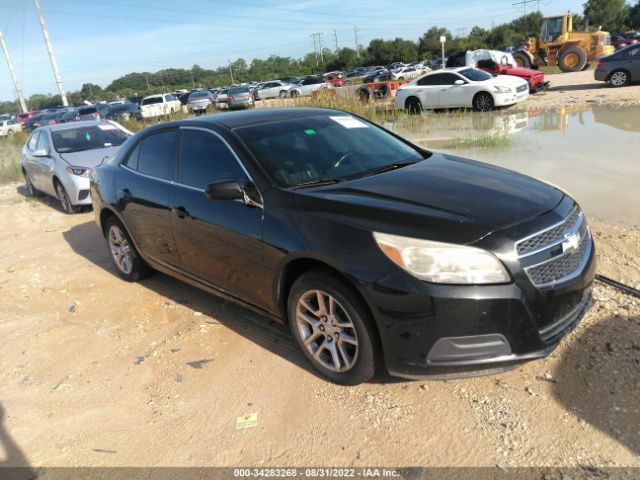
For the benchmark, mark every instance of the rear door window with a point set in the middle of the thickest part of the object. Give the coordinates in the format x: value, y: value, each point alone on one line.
x: 430, y: 80
x: 156, y: 155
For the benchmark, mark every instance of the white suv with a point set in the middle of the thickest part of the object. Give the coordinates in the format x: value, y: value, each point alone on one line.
x: 158, y: 105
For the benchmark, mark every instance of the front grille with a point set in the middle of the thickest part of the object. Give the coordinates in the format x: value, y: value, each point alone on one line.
x: 572, y: 311
x: 550, y: 236
x: 522, y: 88
x: 561, y: 266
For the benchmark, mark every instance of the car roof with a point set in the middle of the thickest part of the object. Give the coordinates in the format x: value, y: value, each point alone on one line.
x: 67, y: 126
x: 246, y: 118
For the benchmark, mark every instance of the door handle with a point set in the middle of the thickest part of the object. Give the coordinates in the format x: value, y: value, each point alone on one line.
x: 181, y: 212
x: 125, y: 194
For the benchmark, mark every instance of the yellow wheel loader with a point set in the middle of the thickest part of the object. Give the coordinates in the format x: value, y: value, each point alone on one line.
x: 559, y: 45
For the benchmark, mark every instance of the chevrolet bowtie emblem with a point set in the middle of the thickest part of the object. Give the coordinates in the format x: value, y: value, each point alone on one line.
x: 571, y: 242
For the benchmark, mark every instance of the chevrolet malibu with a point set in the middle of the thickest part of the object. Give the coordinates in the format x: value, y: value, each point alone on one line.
x: 379, y: 255
x: 461, y: 87
x: 58, y: 159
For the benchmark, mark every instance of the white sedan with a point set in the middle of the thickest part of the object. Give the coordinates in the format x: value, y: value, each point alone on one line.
x: 462, y: 87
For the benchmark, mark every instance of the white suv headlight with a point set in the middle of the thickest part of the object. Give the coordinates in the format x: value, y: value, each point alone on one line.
x: 500, y: 89
x: 442, y: 262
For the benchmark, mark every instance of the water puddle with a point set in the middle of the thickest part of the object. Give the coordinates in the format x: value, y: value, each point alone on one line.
x: 592, y: 152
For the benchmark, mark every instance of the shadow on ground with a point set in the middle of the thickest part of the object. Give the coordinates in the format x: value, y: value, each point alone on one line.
x: 13, y: 462
x: 582, y: 86
x: 598, y: 379
x: 87, y: 241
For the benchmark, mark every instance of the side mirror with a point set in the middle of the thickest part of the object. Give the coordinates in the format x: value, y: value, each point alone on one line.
x: 459, y: 82
x: 224, y: 190
x: 41, y: 152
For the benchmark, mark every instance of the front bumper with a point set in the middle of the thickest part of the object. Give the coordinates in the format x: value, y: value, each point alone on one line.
x: 430, y: 330
x: 504, y: 99
x: 78, y: 189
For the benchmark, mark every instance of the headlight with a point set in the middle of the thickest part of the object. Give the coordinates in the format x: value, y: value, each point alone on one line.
x: 442, y: 262
x: 503, y: 89
x: 79, y: 171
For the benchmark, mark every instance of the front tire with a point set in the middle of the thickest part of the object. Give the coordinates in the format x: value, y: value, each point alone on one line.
x: 619, y: 78
x: 333, y: 328
x: 31, y: 190
x: 483, y: 102
x: 129, y: 265
x: 573, y: 59
x: 413, y: 106
x: 522, y: 59
x: 65, y: 201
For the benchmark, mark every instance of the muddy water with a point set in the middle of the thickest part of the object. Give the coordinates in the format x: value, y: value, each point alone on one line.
x: 591, y: 152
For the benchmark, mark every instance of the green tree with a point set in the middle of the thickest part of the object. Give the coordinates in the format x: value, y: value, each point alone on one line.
x: 634, y: 16
x: 429, y: 43
x: 611, y: 15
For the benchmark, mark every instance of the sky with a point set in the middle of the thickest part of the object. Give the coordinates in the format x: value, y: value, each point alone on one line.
x: 99, y: 40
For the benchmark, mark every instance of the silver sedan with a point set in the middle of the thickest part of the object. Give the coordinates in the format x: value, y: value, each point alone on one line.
x: 57, y: 160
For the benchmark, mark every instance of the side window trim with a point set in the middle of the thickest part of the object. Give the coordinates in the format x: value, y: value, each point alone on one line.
x: 233, y: 153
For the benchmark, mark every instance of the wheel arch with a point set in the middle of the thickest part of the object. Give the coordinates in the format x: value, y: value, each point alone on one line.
x: 297, y: 267
x: 618, y: 70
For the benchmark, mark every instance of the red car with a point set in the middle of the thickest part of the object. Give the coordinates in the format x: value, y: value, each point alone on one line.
x: 333, y: 79
x: 23, y: 117
x: 534, y: 78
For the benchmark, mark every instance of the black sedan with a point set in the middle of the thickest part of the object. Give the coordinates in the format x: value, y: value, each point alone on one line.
x: 376, y: 252
x: 620, y: 68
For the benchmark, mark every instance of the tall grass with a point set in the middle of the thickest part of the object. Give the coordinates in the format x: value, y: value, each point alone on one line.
x: 10, y: 148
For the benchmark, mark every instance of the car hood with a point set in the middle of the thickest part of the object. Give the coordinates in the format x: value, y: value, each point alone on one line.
x: 507, y: 80
x: 443, y: 198
x: 88, y: 158
x: 522, y: 72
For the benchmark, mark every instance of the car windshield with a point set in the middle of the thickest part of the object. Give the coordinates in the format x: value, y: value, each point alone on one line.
x: 324, y: 148
x: 236, y: 90
x: 475, y: 75
x: 92, y: 137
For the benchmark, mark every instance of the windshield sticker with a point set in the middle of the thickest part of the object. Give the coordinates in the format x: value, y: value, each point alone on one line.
x: 106, y: 127
x: 310, y: 131
x: 349, y: 122
x: 87, y: 136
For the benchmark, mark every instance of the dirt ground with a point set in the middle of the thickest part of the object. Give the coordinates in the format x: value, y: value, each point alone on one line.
x: 95, y: 371
x: 581, y: 87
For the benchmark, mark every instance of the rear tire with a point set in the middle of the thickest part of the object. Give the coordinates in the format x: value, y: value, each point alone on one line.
x: 483, y: 102
x: 31, y: 190
x: 126, y: 259
x: 333, y: 328
x: 413, y: 106
x: 619, y: 78
x: 573, y: 59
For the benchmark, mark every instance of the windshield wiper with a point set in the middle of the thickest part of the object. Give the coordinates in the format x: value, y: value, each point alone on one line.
x: 387, y: 168
x: 318, y: 182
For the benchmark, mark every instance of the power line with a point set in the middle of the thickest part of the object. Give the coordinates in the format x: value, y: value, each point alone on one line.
x: 524, y: 3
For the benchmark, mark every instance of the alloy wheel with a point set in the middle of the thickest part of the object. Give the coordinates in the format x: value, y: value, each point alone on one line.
x: 618, y: 79
x: 120, y: 249
x: 65, y: 203
x: 327, y: 331
x: 483, y: 103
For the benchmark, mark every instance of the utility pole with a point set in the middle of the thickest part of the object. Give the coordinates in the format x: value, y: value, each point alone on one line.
x: 54, y: 66
x: 231, y: 72
x: 524, y: 3
x: 355, y: 31
x: 315, y: 48
x: 335, y: 36
x: 16, y: 86
x: 320, y: 46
